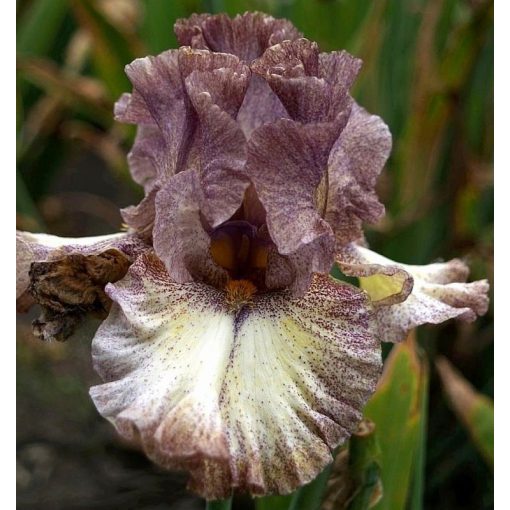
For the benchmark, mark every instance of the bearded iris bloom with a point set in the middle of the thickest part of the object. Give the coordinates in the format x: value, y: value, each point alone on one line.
x: 226, y: 349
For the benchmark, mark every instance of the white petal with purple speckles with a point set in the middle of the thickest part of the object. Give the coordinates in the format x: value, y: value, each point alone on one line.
x: 252, y: 399
x: 439, y: 291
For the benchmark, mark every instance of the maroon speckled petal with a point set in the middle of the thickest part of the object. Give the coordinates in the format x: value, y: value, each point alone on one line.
x: 141, y: 217
x: 292, y: 155
x: 261, y: 105
x: 439, y: 292
x: 355, y: 162
x: 252, y: 399
x: 185, y: 102
x: 216, y: 96
x: 148, y: 156
x: 313, y: 87
x: 180, y: 239
x: 159, y: 102
x: 247, y: 35
x: 286, y: 162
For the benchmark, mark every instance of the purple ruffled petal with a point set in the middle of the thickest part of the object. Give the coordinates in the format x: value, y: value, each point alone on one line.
x: 180, y: 238
x: 292, y: 155
x: 247, y: 35
x: 216, y: 97
x: 355, y: 162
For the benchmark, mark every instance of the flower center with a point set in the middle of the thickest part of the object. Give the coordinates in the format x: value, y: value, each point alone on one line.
x: 236, y: 247
x: 239, y: 293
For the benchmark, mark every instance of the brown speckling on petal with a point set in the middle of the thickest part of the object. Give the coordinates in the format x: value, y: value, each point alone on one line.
x: 252, y: 399
x: 264, y: 122
x: 292, y: 154
x: 354, y: 165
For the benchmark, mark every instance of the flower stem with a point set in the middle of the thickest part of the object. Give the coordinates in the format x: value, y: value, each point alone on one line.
x: 219, y: 504
x: 309, y: 497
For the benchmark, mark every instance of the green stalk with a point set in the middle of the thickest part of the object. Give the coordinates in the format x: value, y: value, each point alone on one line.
x: 219, y: 504
x: 418, y: 487
x: 364, y: 467
x: 310, y: 496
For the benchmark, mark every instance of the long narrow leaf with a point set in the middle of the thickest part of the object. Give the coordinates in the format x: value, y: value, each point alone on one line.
x: 84, y: 94
x: 273, y: 502
x: 396, y: 410
x: 475, y: 411
x: 158, y: 18
x: 36, y: 31
x: 418, y: 487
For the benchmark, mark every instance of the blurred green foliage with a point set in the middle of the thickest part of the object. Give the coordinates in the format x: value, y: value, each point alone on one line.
x: 428, y: 72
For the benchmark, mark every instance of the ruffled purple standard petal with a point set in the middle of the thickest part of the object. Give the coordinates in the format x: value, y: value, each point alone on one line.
x: 261, y: 106
x: 250, y: 399
x: 247, y: 35
x: 158, y: 106
x: 355, y: 162
x: 158, y: 102
x: 216, y: 97
x: 141, y: 217
x: 287, y: 160
x: 159, y: 99
x: 180, y: 239
x: 312, y: 86
x: 67, y: 276
x: 147, y: 158
x: 186, y: 102
x: 439, y: 291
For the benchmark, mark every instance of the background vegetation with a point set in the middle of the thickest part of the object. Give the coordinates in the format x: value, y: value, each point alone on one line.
x: 428, y: 72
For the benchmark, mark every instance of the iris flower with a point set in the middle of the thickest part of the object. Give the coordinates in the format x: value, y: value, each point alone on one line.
x: 227, y: 350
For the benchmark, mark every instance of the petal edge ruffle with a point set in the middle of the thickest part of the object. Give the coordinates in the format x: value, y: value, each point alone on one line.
x: 439, y: 291
x: 250, y: 400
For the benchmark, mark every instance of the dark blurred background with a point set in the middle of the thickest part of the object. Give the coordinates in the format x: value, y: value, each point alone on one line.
x: 428, y: 73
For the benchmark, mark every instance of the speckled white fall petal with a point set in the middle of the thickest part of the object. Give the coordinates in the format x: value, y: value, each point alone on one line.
x: 407, y: 296
x: 252, y: 398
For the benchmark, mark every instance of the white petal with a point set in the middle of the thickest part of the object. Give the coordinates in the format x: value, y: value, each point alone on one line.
x: 252, y: 399
x: 439, y: 291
